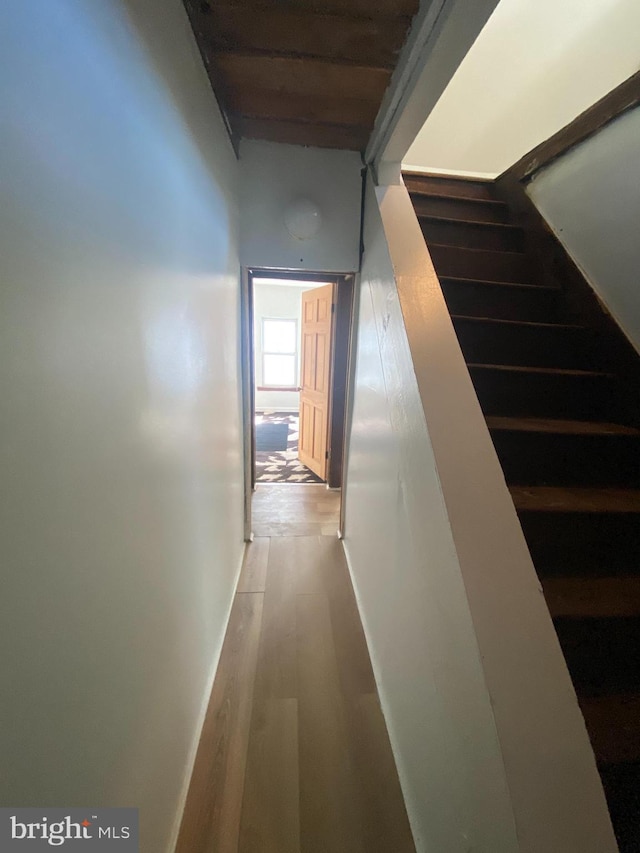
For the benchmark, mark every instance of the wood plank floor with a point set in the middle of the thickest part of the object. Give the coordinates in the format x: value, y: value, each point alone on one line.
x: 295, y: 510
x: 295, y: 755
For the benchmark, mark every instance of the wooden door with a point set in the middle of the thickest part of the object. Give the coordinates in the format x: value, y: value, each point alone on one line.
x: 315, y: 382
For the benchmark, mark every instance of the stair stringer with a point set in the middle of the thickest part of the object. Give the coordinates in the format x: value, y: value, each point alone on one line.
x: 557, y: 796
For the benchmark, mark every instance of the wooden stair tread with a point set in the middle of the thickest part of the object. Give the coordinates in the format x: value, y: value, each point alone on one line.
x: 465, y: 250
x: 450, y: 186
x: 613, y: 723
x: 565, y: 427
x: 521, y: 285
x: 427, y: 203
x: 561, y: 499
x: 507, y: 300
x: 476, y: 223
x: 592, y: 597
x: 429, y: 193
x: 528, y: 324
x: 552, y: 371
x: 496, y: 263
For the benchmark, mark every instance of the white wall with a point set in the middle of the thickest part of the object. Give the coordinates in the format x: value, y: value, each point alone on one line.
x: 591, y: 198
x: 532, y: 70
x: 272, y: 176
x: 441, y: 35
x: 121, y: 522
x: 491, y: 747
x: 281, y: 302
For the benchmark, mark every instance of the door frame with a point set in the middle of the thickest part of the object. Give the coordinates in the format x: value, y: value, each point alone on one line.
x: 247, y: 371
x: 341, y: 355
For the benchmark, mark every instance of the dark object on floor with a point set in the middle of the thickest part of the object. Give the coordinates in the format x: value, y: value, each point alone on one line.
x: 271, y: 436
x: 282, y: 466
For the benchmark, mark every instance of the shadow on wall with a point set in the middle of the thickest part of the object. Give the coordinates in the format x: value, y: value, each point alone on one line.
x: 103, y: 125
x: 187, y: 110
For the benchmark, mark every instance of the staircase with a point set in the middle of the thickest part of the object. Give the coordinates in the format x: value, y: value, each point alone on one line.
x: 565, y: 428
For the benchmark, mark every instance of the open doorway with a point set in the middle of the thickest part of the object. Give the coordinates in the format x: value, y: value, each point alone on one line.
x: 278, y: 311
x: 298, y: 328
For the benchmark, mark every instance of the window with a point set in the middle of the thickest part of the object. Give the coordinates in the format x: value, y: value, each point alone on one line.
x: 280, y: 352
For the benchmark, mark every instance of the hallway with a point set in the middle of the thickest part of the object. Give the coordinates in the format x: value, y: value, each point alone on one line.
x: 294, y: 755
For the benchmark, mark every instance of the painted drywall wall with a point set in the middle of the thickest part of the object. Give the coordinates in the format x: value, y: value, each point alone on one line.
x: 121, y: 522
x: 276, y: 302
x: 273, y: 177
x: 490, y: 743
x: 441, y: 35
x: 410, y: 590
x: 591, y: 198
x: 531, y: 71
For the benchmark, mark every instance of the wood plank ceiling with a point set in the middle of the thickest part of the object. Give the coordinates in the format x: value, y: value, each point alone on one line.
x: 307, y: 72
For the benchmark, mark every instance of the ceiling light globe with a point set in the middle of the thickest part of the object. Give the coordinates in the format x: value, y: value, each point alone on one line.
x: 303, y: 219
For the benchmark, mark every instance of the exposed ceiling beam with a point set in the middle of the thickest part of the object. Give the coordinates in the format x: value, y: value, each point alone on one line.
x: 295, y: 33
x: 302, y: 76
x: 268, y: 53
x: 302, y: 133
x: 314, y: 69
x: 353, y: 9
x: 258, y: 103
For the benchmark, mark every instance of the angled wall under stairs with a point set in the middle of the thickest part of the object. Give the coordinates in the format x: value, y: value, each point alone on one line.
x: 564, y: 420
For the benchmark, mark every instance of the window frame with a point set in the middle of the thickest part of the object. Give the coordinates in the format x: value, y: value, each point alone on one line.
x: 295, y: 354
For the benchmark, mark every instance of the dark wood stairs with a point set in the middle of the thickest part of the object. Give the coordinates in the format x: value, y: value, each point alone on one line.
x: 569, y: 444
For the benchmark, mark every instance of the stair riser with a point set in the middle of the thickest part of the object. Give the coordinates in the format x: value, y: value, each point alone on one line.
x: 460, y: 208
x: 569, y: 397
x: 469, y: 236
x: 539, y: 459
x: 491, y: 343
x: 622, y: 788
x: 479, y: 264
x: 503, y: 303
x: 574, y: 543
x: 602, y: 654
x: 613, y: 726
x: 449, y: 187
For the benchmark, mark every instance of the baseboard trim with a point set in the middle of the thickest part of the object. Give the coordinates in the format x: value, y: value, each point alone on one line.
x: 382, y: 697
x: 193, y: 752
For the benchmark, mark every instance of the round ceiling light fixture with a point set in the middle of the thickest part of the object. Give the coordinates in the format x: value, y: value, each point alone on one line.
x: 303, y: 219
